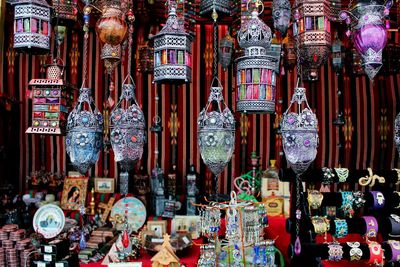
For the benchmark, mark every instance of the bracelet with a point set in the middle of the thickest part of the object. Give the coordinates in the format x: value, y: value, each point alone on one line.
x: 375, y: 253
x: 395, y: 223
x: 370, y: 179
x: 335, y: 252
x: 314, y: 199
x: 398, y: 205
x: 395, y: 247
x: 355, y: 251
x: 347, y: 203
x: 341, y: 228
x: 398, y: 176
x: 328, y: 176
x: 371, y: 226
x: 379, y: 199
x: 321, y: 224
x: 359, y: 200
x: 342, y: 173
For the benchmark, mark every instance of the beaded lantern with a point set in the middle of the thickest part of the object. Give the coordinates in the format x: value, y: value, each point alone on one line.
x: 127, y: 126
x: 49, y: 102
x: 223, y: 6
x: 257, y: 69
x: 337, y: 55
x: 84, y: 132
x: 312, y: 31
x: 216, y: 132
x: 172, y: 51
x: 226, y: 47
x: 111, y: 56
x: 299, y: 133
x: 281, y: 14
x: 368, y: 29
x: 397, y: 132
x: 32, y: 27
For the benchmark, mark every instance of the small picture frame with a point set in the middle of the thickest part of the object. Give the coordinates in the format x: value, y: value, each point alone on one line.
x: 186, y: 224
x: 74, y: 193
x: 104, y: 185
x: 158, y: 227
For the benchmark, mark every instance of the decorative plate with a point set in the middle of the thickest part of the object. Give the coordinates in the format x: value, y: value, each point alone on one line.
x: 49, y: 220
x: 135, y: 211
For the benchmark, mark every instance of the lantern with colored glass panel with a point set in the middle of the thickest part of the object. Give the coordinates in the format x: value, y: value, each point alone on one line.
x: 32, y: 27
x: 313, y: 32
x: 172, y: 51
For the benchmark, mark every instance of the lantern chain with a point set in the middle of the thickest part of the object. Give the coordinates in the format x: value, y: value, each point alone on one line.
x: 298, y: 67
x: 85, y: 58
x: 130, y: 43
x: 215, y: 44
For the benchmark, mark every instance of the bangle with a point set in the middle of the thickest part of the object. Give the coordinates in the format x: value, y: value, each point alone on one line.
x: 335, y: 252
x: 375, y: 253
x: 347, y: 203
x: 342, y: 173
x: 314, y: 199
x: 371, y: 226
x: 355, y: 251
x: 395, y: 223
x: 321, y: 224
x: 341, y: 228
x: 395, y: 247
x: 359, y: 200
x: 398, y: 176
x: 379, y: 199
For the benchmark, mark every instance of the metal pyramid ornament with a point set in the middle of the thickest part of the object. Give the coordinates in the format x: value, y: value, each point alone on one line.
x: 300, y: 133
x: 84, y: 132
x: 216, y: 132
x: 397, y: 132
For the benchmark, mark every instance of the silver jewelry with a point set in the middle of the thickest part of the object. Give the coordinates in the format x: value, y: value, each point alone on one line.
x: 355, y: 251
x: 343, y: 174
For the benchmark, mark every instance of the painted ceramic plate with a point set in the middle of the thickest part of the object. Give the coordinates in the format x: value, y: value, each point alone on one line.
x: 136, y: 212
x: 49, y: 220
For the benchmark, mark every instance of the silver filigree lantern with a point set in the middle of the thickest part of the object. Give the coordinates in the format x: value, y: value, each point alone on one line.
x: 216, y: 132
x: 257, y: 69
x: 397, y: 132
x: 84, y: 132
x: 223, y: 6
x: 299, y: 133
x: 173, y: 51
x: 32, y: 27
x: 226, y: 47
x: 312, y: 31
x: 281, y: 13
x: 127, y: 132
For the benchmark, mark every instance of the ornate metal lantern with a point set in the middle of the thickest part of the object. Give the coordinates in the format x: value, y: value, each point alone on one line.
x: 32, y: 27
x: 281, y: 14
x: 49, y: 102
x: 223, y: 6
x: 146, y: 58
x: 65, y: 11
x: 216, y: 132
x: 397, y: 132
x: 257, y: 69
x: 226, y: 47
x: 172, y: 51
x: 111, y: 56
x: 312, y: 31
x: 367, y: 24
x: 337, y: 55
x: 127, y: 126
x: 84, y: 132
x: 289, y: 52
x: 299, y: 133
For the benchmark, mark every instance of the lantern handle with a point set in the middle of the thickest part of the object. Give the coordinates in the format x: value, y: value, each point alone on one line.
x: 128, y: 77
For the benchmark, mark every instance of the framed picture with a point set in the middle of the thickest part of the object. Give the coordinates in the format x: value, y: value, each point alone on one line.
x: 186, y: 224
x: 104, y: 185
x: 158, y: 227
x: 74, y: 193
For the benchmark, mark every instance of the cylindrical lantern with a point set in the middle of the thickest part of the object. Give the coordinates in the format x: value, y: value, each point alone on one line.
x: 111, y: 56
x: 257, y: 69
x: 173, y: 51
x: 299, y: 133
x: 223, y: 6
x: 281, y: 14
x: 368, y: 28
x: 312, y: 31
x: 84, y: 132
x: 111, y: 28
x: 32, y: 27
x: 337, y: 55
x: 226, y: 46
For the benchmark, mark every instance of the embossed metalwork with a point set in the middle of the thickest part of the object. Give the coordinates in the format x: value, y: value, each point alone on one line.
x: 281, y: 13
x: 223, y: 6
x: 300, y: 133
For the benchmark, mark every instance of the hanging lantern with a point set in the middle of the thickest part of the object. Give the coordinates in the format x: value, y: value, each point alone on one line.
x: 49, y: 102
x: 65, y: 11
x: 397, y: 132
x: 281, y: 14
x: 353, y: 62
x: 257, y: 69
x: 391, y: 60
x: 312, y: 31
x: 216, y: 132
x: 146, y: 59
x: 127, y: 125
x: 111, y: 56
x: 226, y: 46
x: 32, y: 27
x: 111, y: 28
x: 368, y: 28
x: 289, y: 52
x: 172, y: 51
x: 336, y: 6
x: 223, y: 6
x: 84, y: 132
x: 299, y: 133
x: 337, y: 55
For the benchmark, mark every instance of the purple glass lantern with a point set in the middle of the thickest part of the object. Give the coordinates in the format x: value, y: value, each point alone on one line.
x: 300, y: 133
x: 367, y: 24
